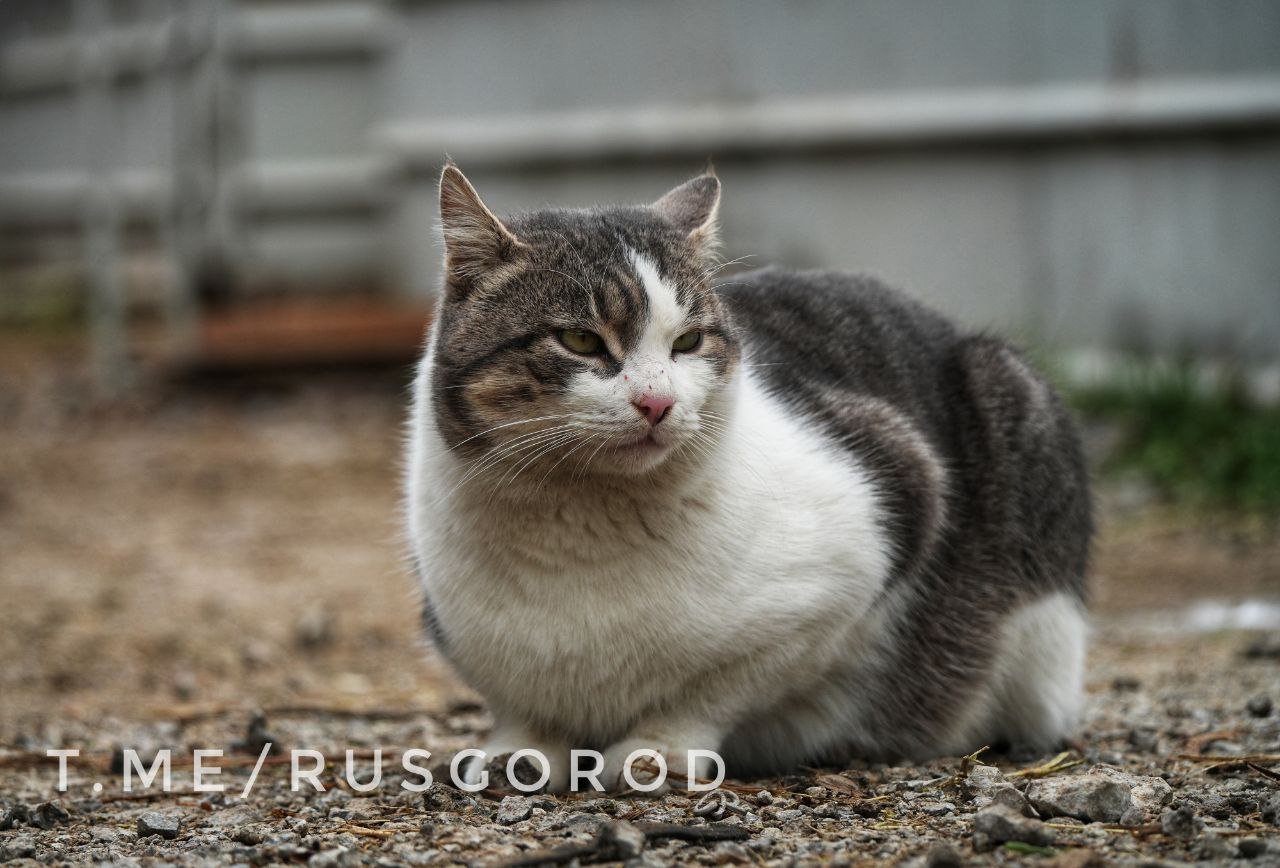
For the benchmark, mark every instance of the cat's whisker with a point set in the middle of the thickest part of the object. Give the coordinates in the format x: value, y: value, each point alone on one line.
x: 592, y: 456
x: 466, y: 440
x: 500, y: 453
x: 570, y: 452
x: 536, y: 453
x: 540, y: 450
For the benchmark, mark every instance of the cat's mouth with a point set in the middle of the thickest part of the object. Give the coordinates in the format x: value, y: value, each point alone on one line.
x: 645, y: 443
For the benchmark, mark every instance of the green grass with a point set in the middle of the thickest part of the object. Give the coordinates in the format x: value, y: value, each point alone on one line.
x: 1200, y: 447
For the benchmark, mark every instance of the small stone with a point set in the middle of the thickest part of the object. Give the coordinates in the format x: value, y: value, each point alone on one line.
x: 315, y: 629
x: 981, y: 779
x: 1251, y: 848
x: 184, y: 685
x: 1103, y: 794
x: 626, y: 840
x: 256, y: 737
x: 1263, y: 649
x: 1148, y: 794
x: 527, y: 771
x: 1087, y: 797
x: 997, y: 824
x: 1259, y: 706
x: 513, y: 809
x: 338, y: 857
x: 866, y: 809
x: 763, y: 798
x: 1009, y: 796
x: 1215, y: 848
x: 1125, y: 684
x: 1181, y: 823
x: 1144, y: 739
x: 1271, y: 810
x: 46, y: 815
x: 155, y: 823
x: 934, y: 809
x: 247, y: 835
x: 256, y: 654
x: 943, y: 856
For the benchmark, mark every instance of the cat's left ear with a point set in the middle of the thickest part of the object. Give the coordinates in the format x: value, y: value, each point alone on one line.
x: 692, y: 208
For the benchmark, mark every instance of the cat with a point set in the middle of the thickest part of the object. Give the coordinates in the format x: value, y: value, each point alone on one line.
x: 794, y: 517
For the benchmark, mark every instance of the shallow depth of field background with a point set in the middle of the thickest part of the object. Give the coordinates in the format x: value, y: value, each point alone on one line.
x: 217, y: 257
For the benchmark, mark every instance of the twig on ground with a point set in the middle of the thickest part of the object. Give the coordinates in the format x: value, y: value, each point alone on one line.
x: 1060, y: 763
x: 1197, y: 743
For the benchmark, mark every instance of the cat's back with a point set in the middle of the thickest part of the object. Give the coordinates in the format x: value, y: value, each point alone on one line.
x: 960, y: 430
x: 816, y: 338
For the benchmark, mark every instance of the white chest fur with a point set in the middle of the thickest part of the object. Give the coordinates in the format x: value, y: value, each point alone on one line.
x: 606, y: 601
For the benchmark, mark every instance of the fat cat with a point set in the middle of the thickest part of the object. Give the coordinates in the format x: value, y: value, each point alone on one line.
x: 794, y: 517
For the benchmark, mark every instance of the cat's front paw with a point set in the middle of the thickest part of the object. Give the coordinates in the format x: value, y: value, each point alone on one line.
x: 654, y: 766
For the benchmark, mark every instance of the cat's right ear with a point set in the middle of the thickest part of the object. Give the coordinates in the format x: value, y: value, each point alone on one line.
x: 692, y: 208
x: 475, y: 241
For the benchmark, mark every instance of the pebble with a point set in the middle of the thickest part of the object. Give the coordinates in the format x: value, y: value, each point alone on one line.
x: 513, y: 809
x: 1259, y: 706
x: 626, y: 840
x: 1144, y: 739
x: 1215, y: 848
x: 1251, y: 848
x: 315, y: 629
x: 943, y: 856
x: 1263, y: 649
x: 763, y: 798
x: 1103, y: 794
x: 1094, y: 798
x: 997, y: 824
x: 1271, y: 810
x: 982, y: 779
x: 48, y: 814
x: 155, y: 823
x: 1181, y: 823
x: 334, y: 858
x: 1011, y: 797
x: 257, y: 736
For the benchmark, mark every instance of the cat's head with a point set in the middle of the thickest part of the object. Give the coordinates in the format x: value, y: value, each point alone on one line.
x: 588, y: 341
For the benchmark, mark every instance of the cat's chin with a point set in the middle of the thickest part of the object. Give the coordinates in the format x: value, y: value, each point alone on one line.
x: 632, y: 458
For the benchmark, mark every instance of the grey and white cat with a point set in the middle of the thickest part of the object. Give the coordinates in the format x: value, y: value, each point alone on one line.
x: 795, y: 517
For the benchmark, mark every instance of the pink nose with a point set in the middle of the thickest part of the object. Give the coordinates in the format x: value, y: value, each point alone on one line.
x: 654, y: 407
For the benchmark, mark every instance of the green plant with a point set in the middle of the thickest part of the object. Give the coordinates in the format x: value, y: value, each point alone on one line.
x: 1200, y: 445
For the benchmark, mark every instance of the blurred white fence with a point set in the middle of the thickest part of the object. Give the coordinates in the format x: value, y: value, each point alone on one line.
x: 1098, y: 173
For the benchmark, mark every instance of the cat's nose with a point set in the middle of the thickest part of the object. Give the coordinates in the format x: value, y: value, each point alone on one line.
x: 654, y: 407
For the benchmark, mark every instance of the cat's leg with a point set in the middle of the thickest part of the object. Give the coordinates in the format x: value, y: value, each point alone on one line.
x: 509, y: 737
x: 672, y: 739
x: 1033, y: 698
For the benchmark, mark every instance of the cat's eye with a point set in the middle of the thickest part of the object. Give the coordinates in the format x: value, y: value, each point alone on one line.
x: 582, y: 342
x: 687, y: 342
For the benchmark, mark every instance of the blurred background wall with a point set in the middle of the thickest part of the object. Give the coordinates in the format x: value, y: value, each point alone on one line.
x: 258, y: 177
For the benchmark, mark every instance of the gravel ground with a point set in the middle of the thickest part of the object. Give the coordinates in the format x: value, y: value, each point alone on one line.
x: 174, y: 563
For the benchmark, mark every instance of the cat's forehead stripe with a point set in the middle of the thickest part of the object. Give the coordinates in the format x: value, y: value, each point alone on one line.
x: 665, y: 312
